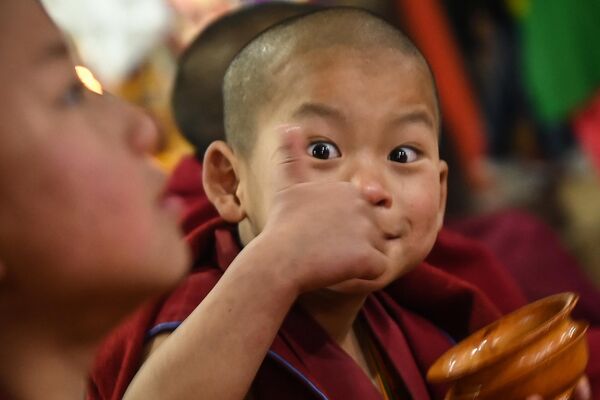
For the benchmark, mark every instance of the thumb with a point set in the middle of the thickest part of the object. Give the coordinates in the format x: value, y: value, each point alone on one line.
x: 292, y: 167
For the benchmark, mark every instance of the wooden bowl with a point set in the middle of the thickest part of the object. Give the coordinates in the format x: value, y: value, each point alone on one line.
x: 537, y: 349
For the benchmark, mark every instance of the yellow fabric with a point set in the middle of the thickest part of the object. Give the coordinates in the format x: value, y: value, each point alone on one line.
x: 149, y: 87
x: 374, y: 361
x: 175, y: 149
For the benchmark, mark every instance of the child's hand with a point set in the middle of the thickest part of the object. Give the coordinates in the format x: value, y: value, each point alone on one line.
x: 325, y: 230
x: 582, y: 391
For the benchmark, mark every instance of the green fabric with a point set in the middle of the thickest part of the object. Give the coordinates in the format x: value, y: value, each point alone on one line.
x: 561, y: 55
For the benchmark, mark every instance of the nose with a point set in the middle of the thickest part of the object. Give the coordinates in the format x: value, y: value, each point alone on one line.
x: 370, y: 183
x: 131, y: 124
x: 142, y: 132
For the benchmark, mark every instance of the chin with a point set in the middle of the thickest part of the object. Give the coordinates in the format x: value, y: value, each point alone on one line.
x: 162, y: 271
x: 368, y: 286
x: 175, y: 267
x: 360, y: 286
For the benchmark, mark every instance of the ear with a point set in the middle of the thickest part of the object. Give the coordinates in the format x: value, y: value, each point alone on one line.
x: 443, y: 168
x: 220, y: 179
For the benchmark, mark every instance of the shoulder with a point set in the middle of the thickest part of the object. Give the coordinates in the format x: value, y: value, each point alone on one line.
x: 121, y: 354
x: 187, y: 295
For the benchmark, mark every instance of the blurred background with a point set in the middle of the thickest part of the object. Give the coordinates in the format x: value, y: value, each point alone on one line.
x: 519, y: 82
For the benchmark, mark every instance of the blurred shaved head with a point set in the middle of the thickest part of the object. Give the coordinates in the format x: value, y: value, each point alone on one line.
x: 197, y: 93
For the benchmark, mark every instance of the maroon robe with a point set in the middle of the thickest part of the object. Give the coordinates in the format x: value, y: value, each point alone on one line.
x: 534, y: 256
x: 413, y: 321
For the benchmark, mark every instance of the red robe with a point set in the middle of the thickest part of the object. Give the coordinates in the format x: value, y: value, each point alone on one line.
x: 413, y: 321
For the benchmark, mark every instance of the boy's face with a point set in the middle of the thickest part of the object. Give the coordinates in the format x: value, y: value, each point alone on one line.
x: 369, y: 118
x: 82, y: 218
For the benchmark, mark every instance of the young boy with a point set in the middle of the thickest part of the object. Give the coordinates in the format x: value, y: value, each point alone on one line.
x: 85, y: 231
x: 332, y: 127
x: 197, y: 104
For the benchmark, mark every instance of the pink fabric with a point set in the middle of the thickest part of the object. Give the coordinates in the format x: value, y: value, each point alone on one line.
x: 587, y: 128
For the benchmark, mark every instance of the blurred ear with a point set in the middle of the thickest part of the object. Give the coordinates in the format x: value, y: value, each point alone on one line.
x: 443, y: 193
x: 220, y: 179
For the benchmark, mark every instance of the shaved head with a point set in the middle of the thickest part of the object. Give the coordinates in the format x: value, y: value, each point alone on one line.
x: 251, y: 79
x: 197, y: 93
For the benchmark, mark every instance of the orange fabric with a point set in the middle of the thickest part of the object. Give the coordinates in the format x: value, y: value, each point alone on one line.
x: 427, y: 25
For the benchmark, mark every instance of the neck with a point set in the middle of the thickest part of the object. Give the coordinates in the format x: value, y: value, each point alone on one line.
x: 334, y: 312
x: 39, y: 365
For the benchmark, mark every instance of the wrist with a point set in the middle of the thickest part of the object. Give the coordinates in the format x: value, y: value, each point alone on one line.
x: 264, y: 261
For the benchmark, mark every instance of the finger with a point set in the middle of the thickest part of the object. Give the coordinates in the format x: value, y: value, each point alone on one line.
x: 373, y: 267
x: 375, y: 236
x: 378, y: 240
x: 293, y: 168
x: 535, y: 397
x: 583, y: 390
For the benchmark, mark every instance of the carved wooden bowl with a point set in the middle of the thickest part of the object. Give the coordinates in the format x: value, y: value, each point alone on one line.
x: 537, y: 349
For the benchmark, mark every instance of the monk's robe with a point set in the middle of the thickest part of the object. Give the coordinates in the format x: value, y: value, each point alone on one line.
x: 411, y: 322
x: 530, y: 250
x: 534, y: 256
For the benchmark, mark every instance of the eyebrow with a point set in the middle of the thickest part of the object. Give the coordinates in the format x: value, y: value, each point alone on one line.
x: 319, y: 110
x: 56, y: 50
x: 325, y: 111
x: 411, y: 117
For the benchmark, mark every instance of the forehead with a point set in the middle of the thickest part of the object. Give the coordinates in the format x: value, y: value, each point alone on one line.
x: 26, y: 36
x: 29, y: 44
x: 34, y: 57
x: 379, y: 79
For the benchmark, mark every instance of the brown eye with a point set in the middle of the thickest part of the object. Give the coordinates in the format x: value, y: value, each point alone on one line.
x: 403, y: 155
x: 323, y: 150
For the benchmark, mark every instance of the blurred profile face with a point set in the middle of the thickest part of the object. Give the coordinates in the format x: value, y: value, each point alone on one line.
x: 83, y: 221
x: 368, y: 117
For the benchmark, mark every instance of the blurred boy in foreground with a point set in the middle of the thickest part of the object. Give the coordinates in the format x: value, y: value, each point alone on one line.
x: 85, y: 228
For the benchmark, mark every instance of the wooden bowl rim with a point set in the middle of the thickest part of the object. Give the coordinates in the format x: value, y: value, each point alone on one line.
x: 569, y: 300
x: 583, y: 326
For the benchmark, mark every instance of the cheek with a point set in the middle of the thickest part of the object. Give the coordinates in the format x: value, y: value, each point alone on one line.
x: 422, y: 205
x: 89, y: 198
x: 83, y: 215
x: 259, y: 190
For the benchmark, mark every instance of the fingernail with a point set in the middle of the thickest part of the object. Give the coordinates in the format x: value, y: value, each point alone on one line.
x: 584, y: 390
x: 286, y: 128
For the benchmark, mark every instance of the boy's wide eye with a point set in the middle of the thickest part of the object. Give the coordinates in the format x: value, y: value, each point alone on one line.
x: 403, y: 155
x: 323, y: 150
